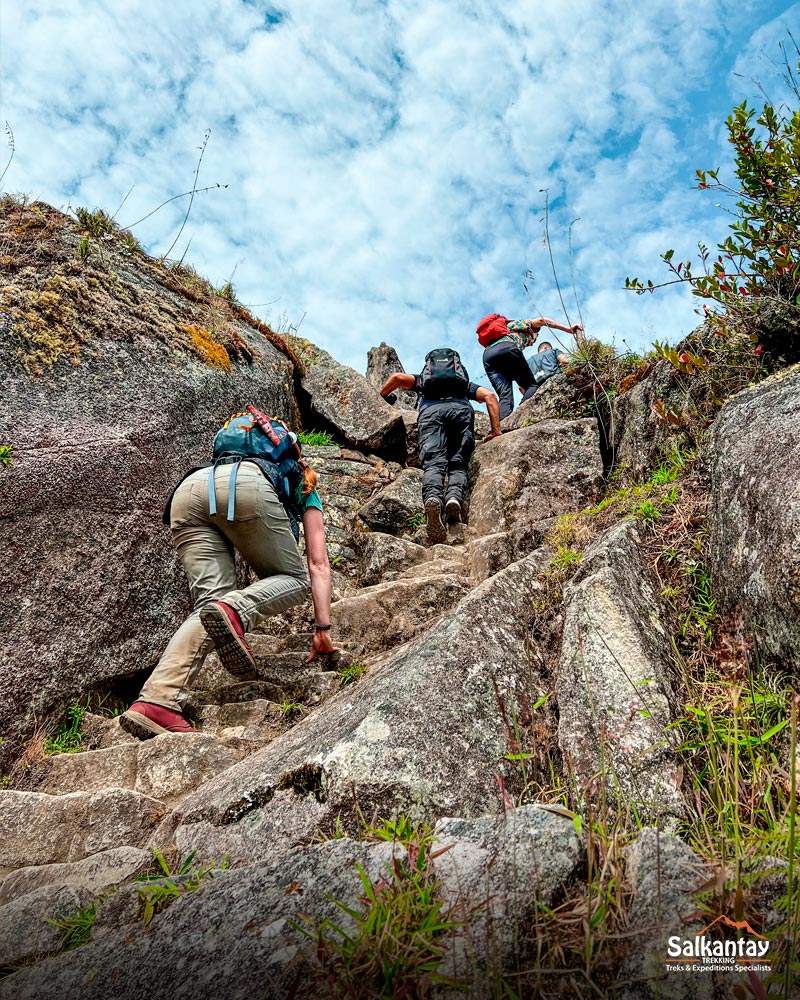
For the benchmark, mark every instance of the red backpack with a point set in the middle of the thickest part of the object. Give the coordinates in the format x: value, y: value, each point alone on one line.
x: 492, y: 328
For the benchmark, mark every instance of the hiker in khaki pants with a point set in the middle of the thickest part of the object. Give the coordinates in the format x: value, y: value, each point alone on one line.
x: 261, y: 531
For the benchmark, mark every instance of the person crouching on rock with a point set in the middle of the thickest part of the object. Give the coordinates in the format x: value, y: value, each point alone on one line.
x: 252, y: 499
x: 505, y: 364
x: 547, y: 362
x: 446, y: 426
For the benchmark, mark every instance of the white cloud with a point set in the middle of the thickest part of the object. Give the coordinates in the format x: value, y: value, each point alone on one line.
x: 385, y: 162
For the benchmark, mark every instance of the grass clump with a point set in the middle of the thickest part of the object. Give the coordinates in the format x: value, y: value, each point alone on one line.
x: 164, y: 888
x: 97, y: 223
x: 315, y: 439
x: 391, y: 939
x: 6, y: 455
x: 289, y: 708
x: 351, y: 674
x: 68, y: 739
x: 77, y: 926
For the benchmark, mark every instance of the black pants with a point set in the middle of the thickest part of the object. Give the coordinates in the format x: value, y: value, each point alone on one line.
x: 505, y: 364
x: 446, y: 442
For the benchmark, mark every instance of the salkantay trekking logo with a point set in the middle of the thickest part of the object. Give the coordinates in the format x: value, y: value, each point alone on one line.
x: 702, y: 953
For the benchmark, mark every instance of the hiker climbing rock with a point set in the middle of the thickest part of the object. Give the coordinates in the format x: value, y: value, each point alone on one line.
x: 252, y: 498
x: 446, y: 432
x: 503, y: 359
x: 546, y: 363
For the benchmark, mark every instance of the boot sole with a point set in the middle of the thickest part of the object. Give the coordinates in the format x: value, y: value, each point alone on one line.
x: 140, y: 726
x: 234, y: 656
x: 437, y: 532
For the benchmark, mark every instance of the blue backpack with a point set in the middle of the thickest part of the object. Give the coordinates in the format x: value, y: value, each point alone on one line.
x: 269, y: 443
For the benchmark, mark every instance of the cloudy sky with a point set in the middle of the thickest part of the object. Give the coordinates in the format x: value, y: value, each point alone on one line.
x: 386, y: 161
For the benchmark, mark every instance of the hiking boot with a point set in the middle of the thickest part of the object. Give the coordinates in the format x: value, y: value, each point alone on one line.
x: 453, y: 510
x: 144, y: 721
x: 437, y: 532
x: 225, y: 629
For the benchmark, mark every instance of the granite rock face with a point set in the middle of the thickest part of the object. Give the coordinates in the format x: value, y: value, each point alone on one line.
x: 755, y: 512
x: 345, y: 401
x: 422, y: 734
x: 382, y: 361
x: 238, y: 933
x: 613, y: 681
x: 106, y: 402
x: 532, y: 474
x: 511, y: 864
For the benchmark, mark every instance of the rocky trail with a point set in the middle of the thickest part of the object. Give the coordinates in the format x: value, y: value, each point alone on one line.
x: 481, y: 683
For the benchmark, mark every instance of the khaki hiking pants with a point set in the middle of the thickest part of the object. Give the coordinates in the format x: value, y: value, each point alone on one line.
x: 260, y: 532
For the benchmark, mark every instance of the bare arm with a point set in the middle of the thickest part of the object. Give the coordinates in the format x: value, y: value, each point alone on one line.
x: 400, y: 380
x: 576, y: 329
x: 492, y: 405
x: 319, y: 570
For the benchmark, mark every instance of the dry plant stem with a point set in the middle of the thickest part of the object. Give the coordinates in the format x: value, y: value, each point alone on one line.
x: 206, y: 136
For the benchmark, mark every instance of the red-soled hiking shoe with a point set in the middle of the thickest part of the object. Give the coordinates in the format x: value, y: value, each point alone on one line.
x: 144, y: 720
x: 225, y: 629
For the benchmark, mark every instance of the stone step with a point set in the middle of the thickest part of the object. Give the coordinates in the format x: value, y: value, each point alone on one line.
x: 256, y: 721
x: 383, y: 616
x: 166, y: 768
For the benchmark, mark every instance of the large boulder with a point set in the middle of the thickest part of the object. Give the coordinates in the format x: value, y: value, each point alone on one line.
x: 344, y: 401
x: 424, y: 734
x: 382, y: 361
x: 113, y: 387
x: 501, y: 870
x: 241, y: 934
x: 553, y: 400
x: 755, y: 512
x: 664, y: 874
x: 525, y: 477
x: 656, y: 408
x: 236, y: 936
x: 397, y: 509
x: 613, y: 682
x: 38, y: 829
x: 383, y: 557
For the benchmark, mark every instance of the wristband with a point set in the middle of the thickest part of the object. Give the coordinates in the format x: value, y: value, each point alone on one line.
x: 323, y: 628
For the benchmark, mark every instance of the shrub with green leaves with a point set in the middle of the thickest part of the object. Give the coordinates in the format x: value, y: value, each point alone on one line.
x: 6, y: 455
x: 760, y: 259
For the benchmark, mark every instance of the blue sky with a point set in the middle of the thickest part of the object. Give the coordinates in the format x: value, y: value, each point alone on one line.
x: 386, y: 161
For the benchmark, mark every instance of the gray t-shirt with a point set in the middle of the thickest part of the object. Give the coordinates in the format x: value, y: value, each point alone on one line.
x: 544, y: 364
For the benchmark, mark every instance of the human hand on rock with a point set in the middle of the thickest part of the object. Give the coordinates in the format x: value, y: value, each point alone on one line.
x: 321, y: 645
x: 492, y: 434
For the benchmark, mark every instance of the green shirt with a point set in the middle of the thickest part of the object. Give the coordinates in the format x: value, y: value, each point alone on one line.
x: 310, y: 500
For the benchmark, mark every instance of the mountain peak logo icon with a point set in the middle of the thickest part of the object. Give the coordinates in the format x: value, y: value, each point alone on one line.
x: 739, y: 925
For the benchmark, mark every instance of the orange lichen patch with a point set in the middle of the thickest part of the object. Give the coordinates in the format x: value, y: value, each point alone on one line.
x: 206, y: 348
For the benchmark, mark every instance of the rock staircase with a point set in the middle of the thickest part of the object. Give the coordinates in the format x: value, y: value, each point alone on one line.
x: 110, y: 803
